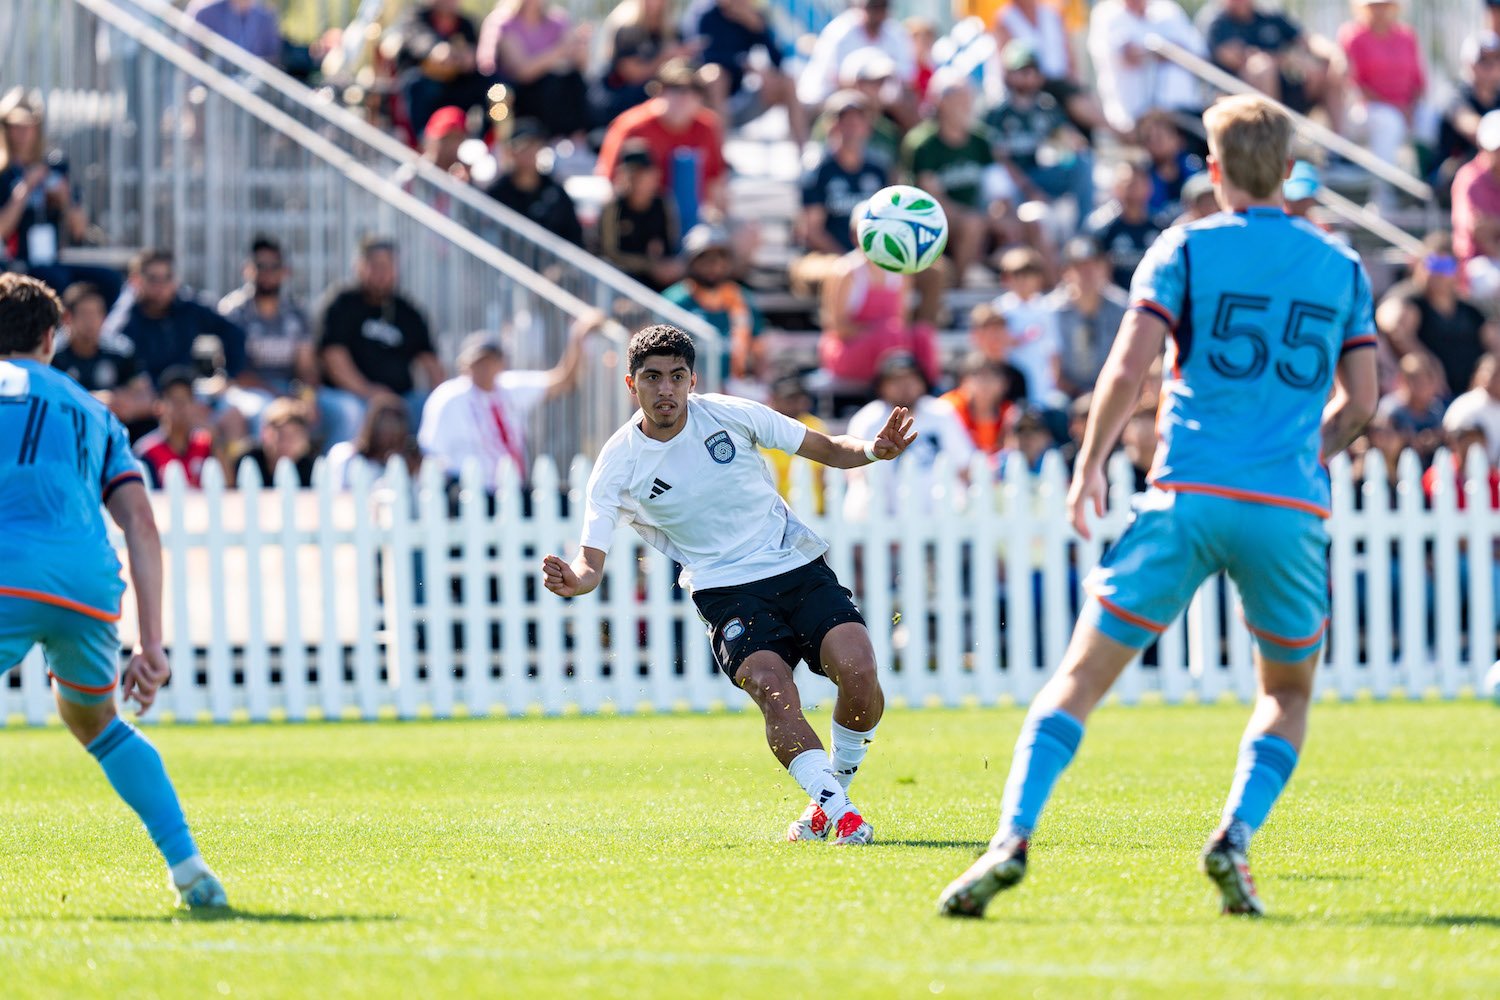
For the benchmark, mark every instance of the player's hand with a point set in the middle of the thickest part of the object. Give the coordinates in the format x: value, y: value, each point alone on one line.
x: 558, y: 577
x: 895, y: 436
x: 147, y: 672
x: 1086, y: 492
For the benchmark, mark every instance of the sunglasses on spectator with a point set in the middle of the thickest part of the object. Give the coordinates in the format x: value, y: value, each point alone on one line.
x: 1441, y: 264
x: 157, y: 277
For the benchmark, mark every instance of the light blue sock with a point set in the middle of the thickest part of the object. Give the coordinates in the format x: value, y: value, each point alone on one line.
x: 134, y: 768
x: 1046, y: 745
x: 1265, y: 764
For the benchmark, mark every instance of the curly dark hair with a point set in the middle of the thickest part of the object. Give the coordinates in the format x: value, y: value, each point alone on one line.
x: 28, y: 309
x: 660, y: 340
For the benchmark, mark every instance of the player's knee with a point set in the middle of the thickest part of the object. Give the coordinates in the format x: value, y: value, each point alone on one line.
x: 86, y: 721
x: 769, y: 684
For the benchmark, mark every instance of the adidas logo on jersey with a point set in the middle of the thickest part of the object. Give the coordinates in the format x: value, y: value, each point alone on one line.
x: 658, y: 488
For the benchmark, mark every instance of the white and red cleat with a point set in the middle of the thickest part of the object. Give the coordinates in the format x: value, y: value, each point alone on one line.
x: 811, y: 825
x: 852, y: 829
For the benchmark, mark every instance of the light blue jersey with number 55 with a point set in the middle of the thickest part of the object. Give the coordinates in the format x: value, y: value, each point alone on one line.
x: 1261, y: 307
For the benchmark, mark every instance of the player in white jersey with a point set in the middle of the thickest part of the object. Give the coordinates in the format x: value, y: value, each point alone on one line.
x: 685, y: 473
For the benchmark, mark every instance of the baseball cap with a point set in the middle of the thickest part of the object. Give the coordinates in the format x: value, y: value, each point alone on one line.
x: 445, y: 121
x: 1031, y: 418
x: 1196, y: 187
x: 21, y: 107
x: 480, y: 344
x: 866, y: 65
x: 1081, y: 250
x: 679, y: 73
x: 636, y: 153
x: 526, y: 130
x: 176, y: 375
x: 845, y: 100
x: 704, y: 237
x: 1488, y: 133
x: 899, y: 363
x: 1304, y: 182
x: 1484, y: 43
x: 1018, y: 54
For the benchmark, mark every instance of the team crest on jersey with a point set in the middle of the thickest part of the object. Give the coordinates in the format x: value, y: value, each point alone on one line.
x: 733, y: 630
x: 720, y: 448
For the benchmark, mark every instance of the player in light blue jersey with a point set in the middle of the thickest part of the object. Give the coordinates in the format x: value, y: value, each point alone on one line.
x: 1263, y: 319
x: 62, y: 457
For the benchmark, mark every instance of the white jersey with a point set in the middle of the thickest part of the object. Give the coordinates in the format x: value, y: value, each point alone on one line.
x: 461, y: 421
x: 704, y: 498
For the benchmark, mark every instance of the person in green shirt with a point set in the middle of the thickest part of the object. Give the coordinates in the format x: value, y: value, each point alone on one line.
x: 710, y: 291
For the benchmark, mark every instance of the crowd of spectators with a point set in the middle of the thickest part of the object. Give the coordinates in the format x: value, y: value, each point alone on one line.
x: 1059, y: 157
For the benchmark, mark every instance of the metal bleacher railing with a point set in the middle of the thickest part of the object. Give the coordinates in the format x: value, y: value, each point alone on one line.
x: 179, y: 138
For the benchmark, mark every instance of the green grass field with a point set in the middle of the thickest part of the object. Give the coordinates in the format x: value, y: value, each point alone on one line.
x: 640, y: 857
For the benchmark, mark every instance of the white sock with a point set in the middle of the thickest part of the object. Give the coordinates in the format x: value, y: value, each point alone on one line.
x: 849, y: 749
x: 185, y: 873
x: 812, y: 770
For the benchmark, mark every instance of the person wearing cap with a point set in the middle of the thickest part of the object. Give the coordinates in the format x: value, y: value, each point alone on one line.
x: 481, y: 413
x: 1429, y: 316
x: 1479, y: 408
x: 790, y: 398
x: 1300, y: 189
x: 445, y: 132
x: 900, y: 381
x: 872, y: 74
x: 250, y: 24
x: 1476, y: 207
x: 844, y: 177
x: 523, y: 188
x: 182, y: 436
x: 541, y: 54
x: 1029, y: 435
x: 1131, y: 78
x: 40, y: 212
x: 1198, y: 200
x: 369, y: 339
x: 1039, y: 25
x: 1089, y: 309
x: 1389, y: 75
x: 638, y: 228
x: 866, y: 24
x: 436, y: 61
x: 1036, y: 340
x: 1477, y: 95
x: 675, y: 119
x: 1030, y: 121
x: 710, y: 291
x: 733, y: 32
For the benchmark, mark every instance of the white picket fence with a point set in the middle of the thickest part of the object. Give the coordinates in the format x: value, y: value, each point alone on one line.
x: 384, y: 600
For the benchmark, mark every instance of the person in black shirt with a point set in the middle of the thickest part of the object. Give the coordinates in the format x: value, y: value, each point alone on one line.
x: 1125, y: 227
x: 525, y: 189
x: 1477, y: 95
x: 1268, y: 50
x: 369, y: 337
x: 284, y: 434
x: 1030, y: 118
x: 731, y: 31
x: 1428, y: 316
x: 97, y: 363
x: 638, y: 227
x: 845, y: 177
x: 437, y: 61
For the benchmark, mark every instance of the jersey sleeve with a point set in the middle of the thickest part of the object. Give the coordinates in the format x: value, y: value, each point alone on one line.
x: 761, y: 424
x: 120, y: 465
x: 1160, y: 283
x: 603, y: 511
x: 1360, y: 331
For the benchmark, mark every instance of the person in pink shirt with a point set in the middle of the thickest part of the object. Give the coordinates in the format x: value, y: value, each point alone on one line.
x: 1385, y: 64
x: 541, y: 55
x: 1476, y: 212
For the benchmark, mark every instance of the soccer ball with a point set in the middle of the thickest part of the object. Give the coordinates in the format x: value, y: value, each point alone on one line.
x: 902, y: 229
x: 1491, y: 683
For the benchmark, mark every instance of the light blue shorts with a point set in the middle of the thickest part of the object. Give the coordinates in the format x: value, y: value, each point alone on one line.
x: 1276, y: 556
x: 83, y: 653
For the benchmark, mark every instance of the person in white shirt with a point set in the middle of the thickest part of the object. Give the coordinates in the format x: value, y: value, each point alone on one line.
x: 1131, y: 79
x: 865, y: 25
x: 1480, y: 406
x: 901, y: 384
x: 482, y: 413
x: 686, y: 474
x: 1036, y: 339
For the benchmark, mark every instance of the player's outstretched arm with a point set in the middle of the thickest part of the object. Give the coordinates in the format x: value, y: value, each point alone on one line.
x: 845, y: 452
x: 1356, y: 394
x: 1116, y: 395
x: 573, y: 579
x: 148, y: 670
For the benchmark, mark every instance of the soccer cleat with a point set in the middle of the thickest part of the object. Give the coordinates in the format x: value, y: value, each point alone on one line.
x: 205, y: 892
x: 811, y: 825
x: 998, y: 869
x: 1230, y: 871
x: 852, y: 829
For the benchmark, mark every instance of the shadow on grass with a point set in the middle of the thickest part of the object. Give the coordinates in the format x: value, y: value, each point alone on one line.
x: 1315, y: 877
x: 1488, y: 920
x: 977, y: 846
x: 229, y: 914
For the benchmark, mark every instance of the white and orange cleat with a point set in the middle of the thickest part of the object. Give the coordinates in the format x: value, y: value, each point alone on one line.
x: 811, y: 825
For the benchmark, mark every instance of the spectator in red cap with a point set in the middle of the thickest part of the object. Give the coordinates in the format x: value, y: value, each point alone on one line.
x: 674, y: 119
x: 445, y: 132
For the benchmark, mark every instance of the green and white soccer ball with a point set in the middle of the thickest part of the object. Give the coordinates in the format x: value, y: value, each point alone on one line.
x: 902, y: 229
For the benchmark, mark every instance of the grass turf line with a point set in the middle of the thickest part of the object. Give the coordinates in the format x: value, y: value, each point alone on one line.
x: 640, y: 857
